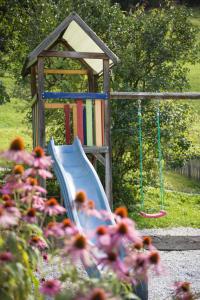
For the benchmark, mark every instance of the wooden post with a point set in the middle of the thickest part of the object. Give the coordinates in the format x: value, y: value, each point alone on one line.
x: 41, y: 102
x: 108, y: 157
x: 33, y: 93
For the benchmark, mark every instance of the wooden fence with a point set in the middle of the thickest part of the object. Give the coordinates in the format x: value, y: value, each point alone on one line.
x: 191, y: 169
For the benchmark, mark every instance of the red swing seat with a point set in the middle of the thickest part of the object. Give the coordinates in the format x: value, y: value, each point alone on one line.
x: 160, y: 214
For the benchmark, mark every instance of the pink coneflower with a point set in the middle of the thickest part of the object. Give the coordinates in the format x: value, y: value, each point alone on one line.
x: 80, y: 200
x: 124, y: 231
x: 51, y: 287
x: 31, y: 185
x: 17, y: 153
x: 53, y: 208
x: 103, y: 237
x: 121, y: 212
x: 113, y: 261
x: 6, y: 197
x: 6, y: 257
x: 95, y: 294
x: 53, y: 229
x: 182, y: 291
x: 68, y: 227
x: 37, y: 242
x: 154, y: 260
x: 41, y: 161
x: 35, y: 172
x: 78, y: 248
x: 141, y: 265
x: 30, y: 216
x: 36, y: 200
x: 18, y: 170
x: 89, y: 209
x: 9, y: 215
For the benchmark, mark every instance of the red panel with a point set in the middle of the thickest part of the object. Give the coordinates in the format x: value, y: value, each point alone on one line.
x: 102, y: 121
x: 80, y: 120
x: 67, y: 123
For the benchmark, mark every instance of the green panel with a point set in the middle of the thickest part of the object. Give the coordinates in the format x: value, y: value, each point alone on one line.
x: 89, y: 123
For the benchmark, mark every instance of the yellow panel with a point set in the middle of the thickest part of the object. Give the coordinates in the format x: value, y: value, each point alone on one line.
x: 98, y: 125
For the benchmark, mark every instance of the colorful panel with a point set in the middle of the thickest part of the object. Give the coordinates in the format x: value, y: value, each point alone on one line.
x: 80, y: 120
x: 98, y: 125
x: 89, y: 123
x: 67, y: 123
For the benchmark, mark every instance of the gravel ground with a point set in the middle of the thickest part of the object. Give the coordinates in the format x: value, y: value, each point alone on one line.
x: 177, y: 265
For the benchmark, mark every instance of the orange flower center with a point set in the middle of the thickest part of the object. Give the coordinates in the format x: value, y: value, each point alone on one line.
x: 91, y: 204
x: 185, y: 286
x: 147, y: 241
x: 122, y: 212
x: 80, y: 197
x: 6, y: 197
x: 17, y: 144
x: 18, y: 169
x: 32, y: 181
x: 80, y: 242
x: 123, y: 229
x: 39, y: 152
x: 52, y: 202
x: 112, y: 256
x: 35, y: 239
x: 49, y: 284
x: 138, y: 246
x: 154, y: 258
x: 98, y: 294
x: 66, y: 223
x: 51, y: 225
x: 101, y: 230
x: 31, y: 212
x: 9, y: 203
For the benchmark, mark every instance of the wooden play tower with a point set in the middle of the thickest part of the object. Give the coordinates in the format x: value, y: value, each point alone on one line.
x: 87, y: 114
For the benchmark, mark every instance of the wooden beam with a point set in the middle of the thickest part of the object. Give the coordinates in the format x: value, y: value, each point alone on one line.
x: 108, y: 156
x: 95, y: 149
x: 57, y: 105
x: 41, y: 102
x: 100, y: 158
x: 73, y: 54
x: 65, y: 72
x: 150, y: 96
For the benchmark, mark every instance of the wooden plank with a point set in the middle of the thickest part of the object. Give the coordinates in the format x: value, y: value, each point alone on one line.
x: 63, y: 95
x: 84, y: 126
x: 57, y: 105
x: 75, y: 129
x: 108, y: 156
x: 80, y: 120
x: 34, y: 95
x: 41, y: 109
x: 98, y: 125
x: 100, y: 158
x: 89, y: 123
x: 176, y: 243
x: 67, y: 123
x: 73, y: 54
x: 150, y: 96
x: 66, y: 72
x: 95, y: 149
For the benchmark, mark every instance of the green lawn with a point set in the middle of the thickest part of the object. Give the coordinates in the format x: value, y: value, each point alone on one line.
x: 12, y: 116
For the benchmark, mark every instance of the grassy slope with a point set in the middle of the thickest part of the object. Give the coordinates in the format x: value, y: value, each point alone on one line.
x: 12, y: 119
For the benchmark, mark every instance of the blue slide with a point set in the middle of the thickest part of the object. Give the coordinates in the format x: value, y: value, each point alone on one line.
x: 74, y: 173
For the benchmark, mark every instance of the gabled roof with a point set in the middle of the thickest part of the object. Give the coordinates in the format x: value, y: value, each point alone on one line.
x: 79, y: 37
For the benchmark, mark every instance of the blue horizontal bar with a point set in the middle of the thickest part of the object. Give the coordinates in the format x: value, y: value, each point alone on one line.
x: 62, y: 95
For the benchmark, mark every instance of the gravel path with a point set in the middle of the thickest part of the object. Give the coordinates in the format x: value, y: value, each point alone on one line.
x: 177, y: 265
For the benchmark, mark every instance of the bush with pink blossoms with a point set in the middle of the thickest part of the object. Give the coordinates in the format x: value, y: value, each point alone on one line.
x: 33, y: 237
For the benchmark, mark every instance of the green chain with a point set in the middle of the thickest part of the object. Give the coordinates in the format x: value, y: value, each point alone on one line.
x: 141, y: 154
x: 160, y: 159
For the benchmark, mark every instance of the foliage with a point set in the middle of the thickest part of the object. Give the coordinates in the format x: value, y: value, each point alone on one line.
x: 4, y: 97
x: 31, y: 238
x: 153, y: 47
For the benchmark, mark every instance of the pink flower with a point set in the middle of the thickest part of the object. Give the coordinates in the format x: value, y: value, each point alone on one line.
x: 40, y: 160
x: 50, y: 287
x: 78, y: 248
x: 6, y: 257
x: 182, y: 291
x: 68, y: 227
x: 30, y: 216
x: 9, y: 215
x: 31, y: 185
x: 113, y: 261
x: 53, y: 229
x: 16, y: 152
x: 52, y: 208
x: 35, y: 172
x: 103, y: 238
x: 154, y: 260
x: 95, y: 294
x: 37, y: 242
x: 80, y: 200
x: 140, y: 265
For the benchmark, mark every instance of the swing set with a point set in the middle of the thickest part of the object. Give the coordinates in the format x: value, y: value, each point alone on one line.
x: 162, y: 212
